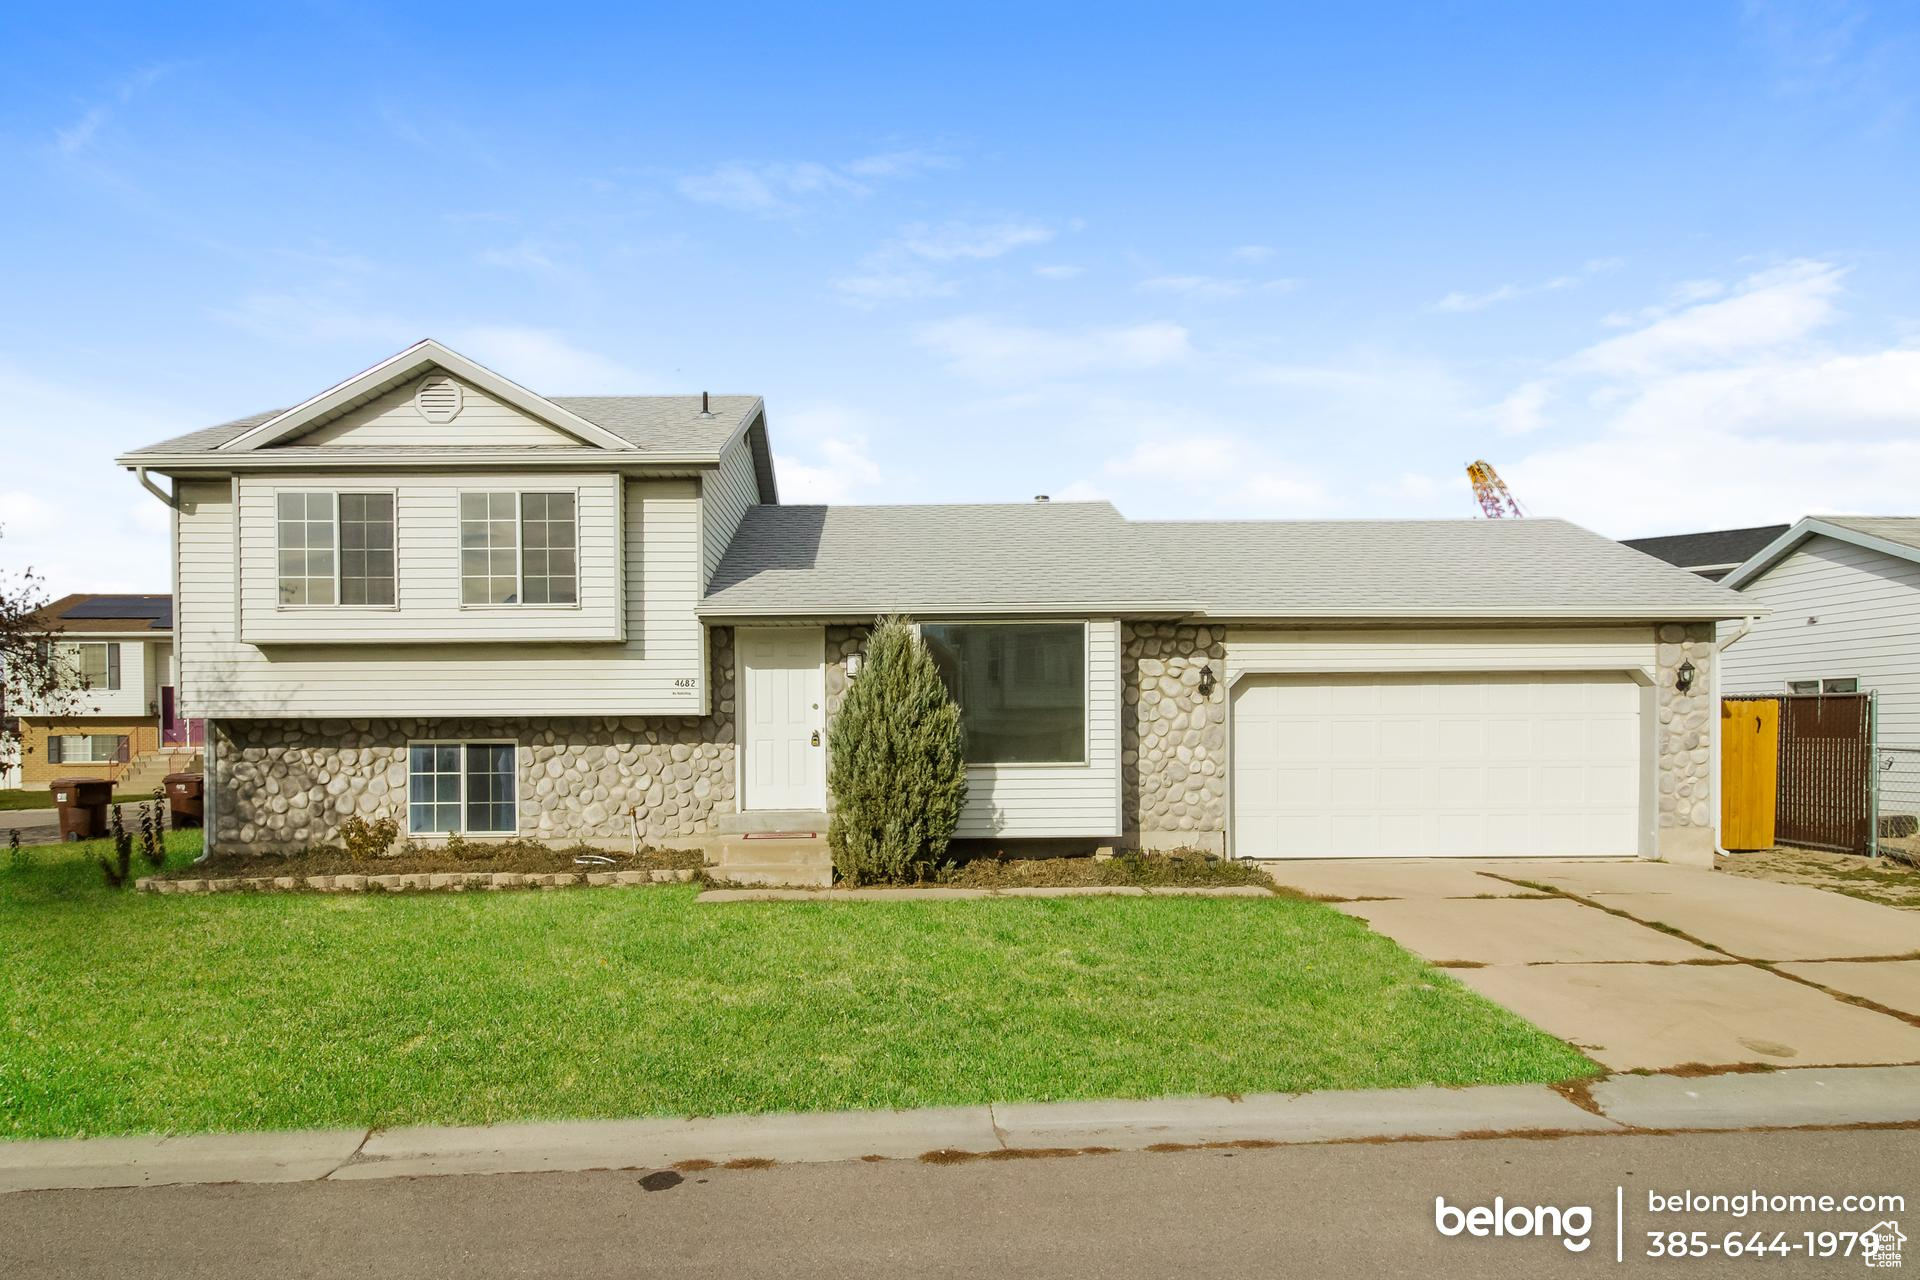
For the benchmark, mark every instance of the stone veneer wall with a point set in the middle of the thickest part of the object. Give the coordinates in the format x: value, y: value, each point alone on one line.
x: 285, y: 784
x: 1173, y: 742
x: 1688, y: 822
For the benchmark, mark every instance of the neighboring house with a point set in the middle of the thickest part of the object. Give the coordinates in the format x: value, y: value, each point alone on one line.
x: 1842, y: 595
x: 431, y: 593
x: 1714, y: 554
x: 119, y: 715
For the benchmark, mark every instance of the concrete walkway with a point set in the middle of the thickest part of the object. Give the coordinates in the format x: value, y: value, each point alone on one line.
x: 1623, y: 1105
x: 1651, y: 966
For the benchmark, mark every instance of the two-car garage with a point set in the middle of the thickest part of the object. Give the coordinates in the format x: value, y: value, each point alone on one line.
x: 1439, y: 763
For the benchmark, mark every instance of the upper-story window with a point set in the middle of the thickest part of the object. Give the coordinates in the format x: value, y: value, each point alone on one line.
x: 519, y: 548
x: 97, y: 663
x: 336, y: 548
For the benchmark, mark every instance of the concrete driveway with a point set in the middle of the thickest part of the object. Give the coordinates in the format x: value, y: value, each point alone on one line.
x: 1650, y: 966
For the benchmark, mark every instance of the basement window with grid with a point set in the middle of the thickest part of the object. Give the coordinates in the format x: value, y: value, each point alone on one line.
x: 519, y: 548
x: 461, y: 788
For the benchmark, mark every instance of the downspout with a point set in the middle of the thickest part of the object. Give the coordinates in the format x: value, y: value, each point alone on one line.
x: 1713, y: 723
x: 171, y: 499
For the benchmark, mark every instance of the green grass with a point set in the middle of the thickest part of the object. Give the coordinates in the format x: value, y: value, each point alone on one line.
x: 126, y: 1012
x: 42, y: 798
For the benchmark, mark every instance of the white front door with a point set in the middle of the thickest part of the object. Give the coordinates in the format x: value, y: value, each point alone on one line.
x: 783, y: 680
x: 1398, y: 766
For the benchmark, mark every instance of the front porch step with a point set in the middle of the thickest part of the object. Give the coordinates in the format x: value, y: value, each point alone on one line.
x: 805, y: 862
x: 758, y: 821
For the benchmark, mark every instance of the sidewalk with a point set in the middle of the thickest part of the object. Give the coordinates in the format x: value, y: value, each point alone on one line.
x: 1805, y: 1097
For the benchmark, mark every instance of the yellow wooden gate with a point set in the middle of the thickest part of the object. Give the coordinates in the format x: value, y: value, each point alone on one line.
x: 1749, y: 771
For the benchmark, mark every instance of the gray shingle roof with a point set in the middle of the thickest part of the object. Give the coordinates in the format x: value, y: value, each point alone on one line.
x: 1013, y: 557
x: 1430, y: 568
x: 1904, y: 530
x: 843, y: 561
x: 665, y: 423
x: 1708, y: 550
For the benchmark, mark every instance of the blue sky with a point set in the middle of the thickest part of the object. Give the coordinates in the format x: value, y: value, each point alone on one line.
x: 1657, y: 262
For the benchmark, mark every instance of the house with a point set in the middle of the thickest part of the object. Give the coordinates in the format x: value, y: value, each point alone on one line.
x: 1841, y: 596
x: 1714, y: 554
x: 431, y: 593
x: 119, y: 718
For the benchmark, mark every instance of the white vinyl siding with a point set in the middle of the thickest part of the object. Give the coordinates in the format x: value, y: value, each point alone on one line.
x: 391, y: 421
x: 725, y: 495
x: 136, y: 692
x: 429, y: 568
x: 657, y: 670
x: 1868, y: 606
x: 1036, y: 801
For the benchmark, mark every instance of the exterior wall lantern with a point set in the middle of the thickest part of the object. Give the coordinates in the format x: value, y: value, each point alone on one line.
x: 1683, y: 678
x: 1206, y: 680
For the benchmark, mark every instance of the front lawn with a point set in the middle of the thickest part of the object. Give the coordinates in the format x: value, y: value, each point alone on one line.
x: 126, y: 1012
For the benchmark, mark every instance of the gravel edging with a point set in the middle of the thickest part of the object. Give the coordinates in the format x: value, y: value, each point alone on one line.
x: 415, y: 882
x: 934, y: 894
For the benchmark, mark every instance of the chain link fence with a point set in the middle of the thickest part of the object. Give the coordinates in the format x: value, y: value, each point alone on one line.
x: 1897, y: 792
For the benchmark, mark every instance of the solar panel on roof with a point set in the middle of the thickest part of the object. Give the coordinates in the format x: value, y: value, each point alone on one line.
x: 158, y: 611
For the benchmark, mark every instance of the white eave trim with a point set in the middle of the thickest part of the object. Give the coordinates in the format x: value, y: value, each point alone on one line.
x: 1766, y: 557
x: 416, y: 359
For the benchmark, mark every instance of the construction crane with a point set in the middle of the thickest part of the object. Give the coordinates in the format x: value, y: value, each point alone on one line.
x: 1496, y: 500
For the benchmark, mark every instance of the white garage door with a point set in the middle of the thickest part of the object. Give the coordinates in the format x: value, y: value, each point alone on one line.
x: 1386, y: 766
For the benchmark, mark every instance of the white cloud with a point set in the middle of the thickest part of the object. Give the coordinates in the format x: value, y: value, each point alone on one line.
x: 527, y: 255
x: 991, y: 351
x: 970, y: 240
x: 1772, y: 308
x: 1466, y: 300
x: 1726, y: 413
x: 1183, y: 464
x: 881, y: 284
x: 545, y: 362
x: 823, y: 456
x: 1058, y: 271
x: 1252, y: 253
x: 781, y: 187
x: 1199, y: 286
x: 1523, y: 410
x: 82, y: 133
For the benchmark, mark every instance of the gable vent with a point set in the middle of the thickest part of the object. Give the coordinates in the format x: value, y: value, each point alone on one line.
x: 438, y: 399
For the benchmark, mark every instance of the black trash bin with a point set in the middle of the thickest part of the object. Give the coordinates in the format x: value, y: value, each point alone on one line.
x: 83, y: 806
x: 185, y: 798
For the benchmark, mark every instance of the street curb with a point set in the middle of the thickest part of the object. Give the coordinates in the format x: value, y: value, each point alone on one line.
x: 1794, y: 1098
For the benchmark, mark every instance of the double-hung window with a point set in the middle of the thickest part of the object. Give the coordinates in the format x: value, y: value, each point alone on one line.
x: 1022, y: 688
x: 1829, y: 684
x: 458, y: 788
x: 97, y: 663
x: 519, y: 548
x: 335, y: 548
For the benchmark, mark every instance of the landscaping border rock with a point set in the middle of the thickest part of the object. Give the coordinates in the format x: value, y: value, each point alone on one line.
x: 934, y: 893
x: 417, y: 882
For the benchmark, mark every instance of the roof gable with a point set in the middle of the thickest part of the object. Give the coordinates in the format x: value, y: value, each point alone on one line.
x: 1897, y: 536
x: 406, y: 368
x: 411, y: 416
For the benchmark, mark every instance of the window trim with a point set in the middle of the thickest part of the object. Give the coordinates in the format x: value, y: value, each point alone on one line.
x: 112, y: 659
x: 511, y: 744
x: 1086, y: 685
x: 1821, y: 683
x: 339, y: 559
x: 519, y: 549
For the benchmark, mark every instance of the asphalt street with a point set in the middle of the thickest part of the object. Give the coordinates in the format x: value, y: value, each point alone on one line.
x: 1344, y: 1209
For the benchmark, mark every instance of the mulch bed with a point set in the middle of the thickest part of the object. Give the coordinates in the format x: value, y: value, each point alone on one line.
x: 1144, y: 870
x: 527, y: 856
